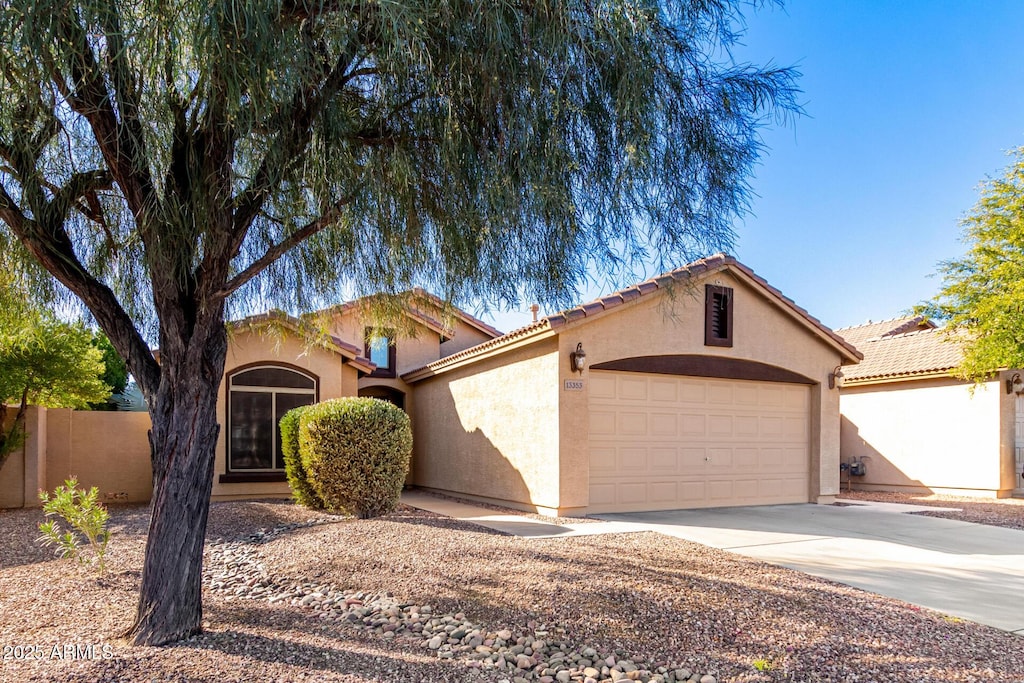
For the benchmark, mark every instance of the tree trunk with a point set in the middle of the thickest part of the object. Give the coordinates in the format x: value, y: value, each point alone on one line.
x: 183, y: 440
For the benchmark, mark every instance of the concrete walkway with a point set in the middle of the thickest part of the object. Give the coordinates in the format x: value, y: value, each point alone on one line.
x: 971, y: 571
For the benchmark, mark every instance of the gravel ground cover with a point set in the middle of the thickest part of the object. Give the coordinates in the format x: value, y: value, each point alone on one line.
x: 293, y: 595
x: 1005, y: 512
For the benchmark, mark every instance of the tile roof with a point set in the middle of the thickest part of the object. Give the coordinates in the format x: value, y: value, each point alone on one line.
x: 688, y: 272
x: 903, y: 348
x: 858, y: 334
x: 422, y: 317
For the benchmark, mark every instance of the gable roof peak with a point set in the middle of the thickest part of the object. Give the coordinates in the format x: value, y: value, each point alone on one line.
x: 691, y: 271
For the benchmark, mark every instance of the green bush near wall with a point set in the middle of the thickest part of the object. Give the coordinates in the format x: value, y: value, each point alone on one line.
x: 302, y: 489
x: 356, y: 452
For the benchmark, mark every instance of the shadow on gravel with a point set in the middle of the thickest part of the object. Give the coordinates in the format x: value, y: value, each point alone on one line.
x: 289, y: 660
x: 423, y: 518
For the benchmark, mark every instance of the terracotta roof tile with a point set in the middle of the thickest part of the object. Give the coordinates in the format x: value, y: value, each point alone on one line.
x: 428, y: 320
x: 859, y: 334
x: 924, y: 351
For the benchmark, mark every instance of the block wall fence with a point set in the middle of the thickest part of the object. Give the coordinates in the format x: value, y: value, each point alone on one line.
x: 108, y: 450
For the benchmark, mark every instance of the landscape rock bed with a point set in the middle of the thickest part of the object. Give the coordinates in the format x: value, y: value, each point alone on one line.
x: 537, y: 653
x: 656, y: 600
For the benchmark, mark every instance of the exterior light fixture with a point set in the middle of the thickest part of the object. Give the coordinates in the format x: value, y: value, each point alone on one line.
x: 1015, y: 385
x: 835, y: 378
x: 578, y: 359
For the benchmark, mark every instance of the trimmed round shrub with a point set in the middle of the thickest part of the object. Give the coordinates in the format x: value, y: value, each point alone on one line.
x: 356, y: 454
x: 303, y: 491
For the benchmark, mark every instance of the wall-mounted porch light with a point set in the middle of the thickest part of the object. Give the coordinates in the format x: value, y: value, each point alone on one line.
x: 578, y: 359
x: 835, y: 378
x: 1015, y: 385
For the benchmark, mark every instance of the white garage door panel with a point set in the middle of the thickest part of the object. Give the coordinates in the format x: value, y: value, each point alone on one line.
x: 659, y: 442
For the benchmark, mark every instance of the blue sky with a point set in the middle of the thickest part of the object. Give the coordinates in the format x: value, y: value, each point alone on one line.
x: 909, y: 105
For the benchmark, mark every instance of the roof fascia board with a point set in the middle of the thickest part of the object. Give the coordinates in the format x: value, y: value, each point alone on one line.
x: 440, y: 367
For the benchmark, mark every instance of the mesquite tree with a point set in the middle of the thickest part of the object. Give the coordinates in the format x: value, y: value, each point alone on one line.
x: 169, y: 163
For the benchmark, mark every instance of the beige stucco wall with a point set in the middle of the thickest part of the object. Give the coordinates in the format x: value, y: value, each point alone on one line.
x: 12, y: 474
x: 248, y: 347
x: 412, y: 351
x: 659, y: 324
x: 61, y: 442
x: 79, y: 444
x: 491, y: 429
x: 930, y: 434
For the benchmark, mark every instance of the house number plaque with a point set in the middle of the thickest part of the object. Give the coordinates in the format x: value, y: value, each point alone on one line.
x: 574, y: 385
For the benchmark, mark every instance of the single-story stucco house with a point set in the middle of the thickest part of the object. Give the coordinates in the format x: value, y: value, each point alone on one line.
x: 917, y: 428
x: 702, y: 387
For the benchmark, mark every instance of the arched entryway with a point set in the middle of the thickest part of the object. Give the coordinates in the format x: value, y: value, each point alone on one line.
x: 389, y: 394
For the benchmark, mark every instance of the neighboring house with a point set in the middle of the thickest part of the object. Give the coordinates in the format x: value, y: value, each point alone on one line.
x: 702, y: 387
x: 915, y: 427
x: 711, y: 392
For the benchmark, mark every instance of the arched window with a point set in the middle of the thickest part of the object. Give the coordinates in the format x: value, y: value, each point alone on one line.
x: 257, y: 399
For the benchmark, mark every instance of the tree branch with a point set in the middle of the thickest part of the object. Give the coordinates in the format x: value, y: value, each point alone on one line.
x: 90, y: 99
x: 80, y: 185
x: 53, y: 248
x: 281, y: 248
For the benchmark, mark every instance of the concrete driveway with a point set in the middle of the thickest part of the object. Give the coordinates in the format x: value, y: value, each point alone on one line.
x: 966, y: 570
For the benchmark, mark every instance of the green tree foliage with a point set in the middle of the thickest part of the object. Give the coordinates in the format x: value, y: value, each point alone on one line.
x: 115, y: 372
x: 355, y: 453
x: 982, y: 295
x: 169, y: 163
x: 43, y: 361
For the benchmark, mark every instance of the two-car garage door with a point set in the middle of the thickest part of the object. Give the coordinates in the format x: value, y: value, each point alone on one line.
x: 660, y: 442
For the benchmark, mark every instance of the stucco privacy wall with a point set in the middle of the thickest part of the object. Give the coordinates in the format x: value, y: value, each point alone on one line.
x: 254, y: 347
x: 108, y: 450
x: 931, y: 434
x: 12, y: 475
x: 490, y: 429
x: 673, y: 323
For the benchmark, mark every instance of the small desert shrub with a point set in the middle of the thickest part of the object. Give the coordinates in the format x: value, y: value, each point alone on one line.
x: 302, y: 489
x: 356, y: 454
x: 88, y: 520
